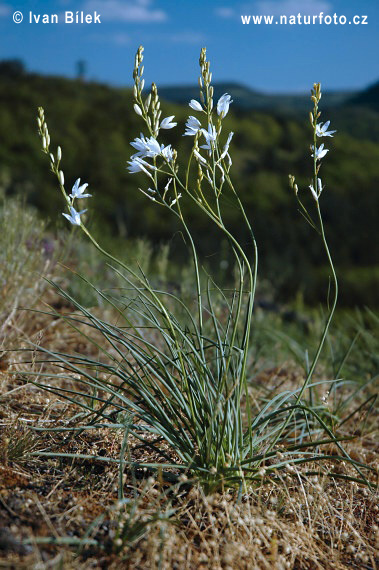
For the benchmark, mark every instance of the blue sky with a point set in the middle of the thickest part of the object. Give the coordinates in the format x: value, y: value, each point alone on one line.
x: 274, y: 58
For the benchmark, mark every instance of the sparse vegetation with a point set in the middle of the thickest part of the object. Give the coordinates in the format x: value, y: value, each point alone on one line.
x: 141, y: 425
x: 64, y: 513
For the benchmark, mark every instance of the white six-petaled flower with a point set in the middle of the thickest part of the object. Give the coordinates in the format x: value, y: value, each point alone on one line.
x: 146, y: 147
x: 167, y: 123
x: 322, y: 130
x: 137, y: 164
x: 210, y: 137
x: 195, y: 105
x: 320, y: 151
x: 167, y: 153
x: 193, y: 125
x: 74, y: 216
x: 78, y: 191
x: 223, y: 104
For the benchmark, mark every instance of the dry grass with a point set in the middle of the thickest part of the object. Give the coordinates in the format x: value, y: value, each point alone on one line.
x: 49, y: 505
x: 290, y: 521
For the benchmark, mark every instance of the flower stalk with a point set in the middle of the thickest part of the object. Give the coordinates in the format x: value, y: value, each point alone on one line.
x: 316, y: 188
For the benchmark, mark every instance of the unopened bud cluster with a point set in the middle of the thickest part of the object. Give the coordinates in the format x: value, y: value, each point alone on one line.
x: 206, y: 89
x: 43, y: 132
x: 316, y: 93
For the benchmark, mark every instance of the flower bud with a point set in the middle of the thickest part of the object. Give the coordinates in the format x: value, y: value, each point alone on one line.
x: 59, y: 154
x: 137, y: 109
x: 61, y: 178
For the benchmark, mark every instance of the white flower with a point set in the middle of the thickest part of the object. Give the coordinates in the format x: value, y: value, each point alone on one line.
x: 146, y: 147
x: 223, y: 104
x: 173, y: 202
x: 192, y: 126
x: 168, y: 184
x: 200, y: 158
x: 316, y: 194
x: 153, y: 147
x: 195, y: 105
x: 77, y: 191
x: 137, y: 164
x: 74, y: 216
x: 167, y: 153
x: 167, y: 123
x: 322, y: 130
x: 320, y: 151
x: 210, y: 137
x: 226, y: 147
x: 140, y: 144
x: 222, y: 179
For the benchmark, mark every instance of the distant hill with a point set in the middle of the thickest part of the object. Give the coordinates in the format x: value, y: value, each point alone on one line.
x: 94, y: 124
x: 368, y: 98
x: 247, y: 99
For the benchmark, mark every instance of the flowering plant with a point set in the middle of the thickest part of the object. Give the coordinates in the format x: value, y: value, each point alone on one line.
x: 186, y: 396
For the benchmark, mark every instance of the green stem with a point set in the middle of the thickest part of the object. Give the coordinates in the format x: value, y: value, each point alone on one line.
x: 324, y: 334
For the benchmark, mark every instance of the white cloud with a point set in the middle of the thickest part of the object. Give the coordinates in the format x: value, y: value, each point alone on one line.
x: 183, y: 37
x: 121, y: 39
x: 289, y: 7
x: 4, y: 10
x: 225, y: 12
x: 186, y: 38
x: 126, y: 10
